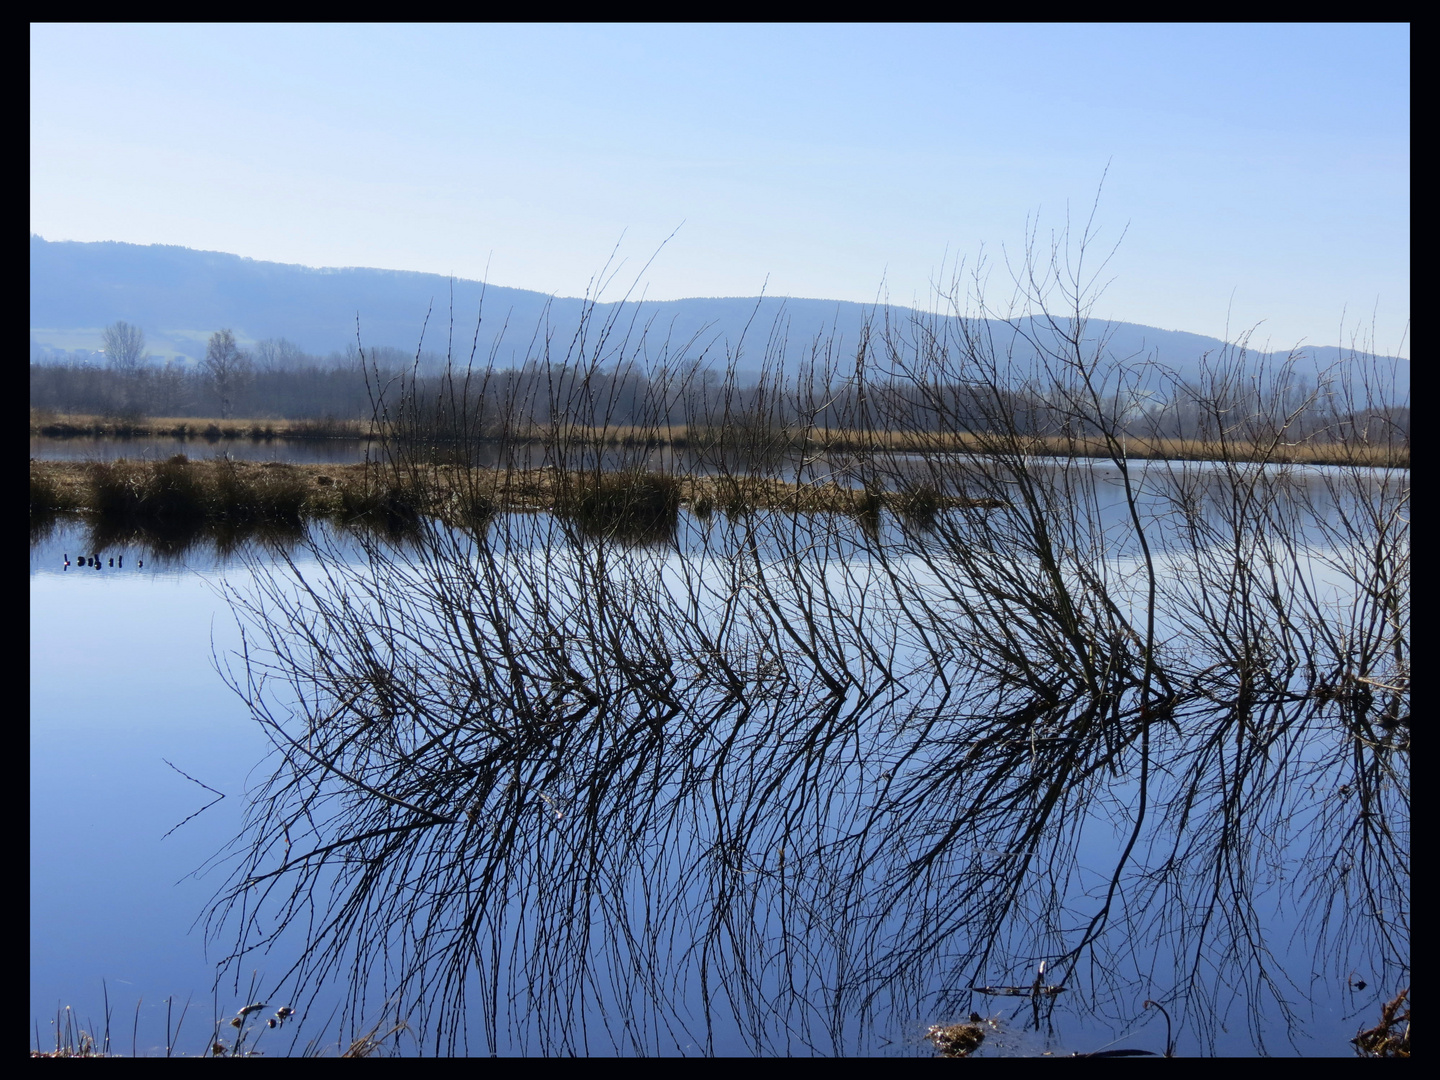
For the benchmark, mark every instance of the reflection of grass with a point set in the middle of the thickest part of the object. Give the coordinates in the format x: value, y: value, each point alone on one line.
x: 179, y: 496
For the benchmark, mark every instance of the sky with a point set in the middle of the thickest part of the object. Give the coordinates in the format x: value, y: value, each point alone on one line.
x: 1254, y: 177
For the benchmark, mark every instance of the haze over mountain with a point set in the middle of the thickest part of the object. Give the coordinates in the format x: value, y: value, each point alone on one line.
x: 180, y: 296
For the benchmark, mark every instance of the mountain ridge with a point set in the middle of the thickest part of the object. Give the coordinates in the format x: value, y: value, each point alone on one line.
x: 180, y: 295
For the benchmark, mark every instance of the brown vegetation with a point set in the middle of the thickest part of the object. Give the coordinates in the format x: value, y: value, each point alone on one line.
x: 956, y: 1040
x: 44, y: 422
x: 1314, y: 450
x: 1390, y: 1037
x: 179, y: 491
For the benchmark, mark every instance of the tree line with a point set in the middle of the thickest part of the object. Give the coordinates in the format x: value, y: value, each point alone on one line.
x: 886, y: 385
x: 275, y: 379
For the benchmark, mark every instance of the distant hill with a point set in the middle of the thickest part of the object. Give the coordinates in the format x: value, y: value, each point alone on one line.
x: 179, y: 296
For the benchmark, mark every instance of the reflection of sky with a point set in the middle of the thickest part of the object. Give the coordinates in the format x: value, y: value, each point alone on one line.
x: 121, y: 677
x: 121, y: 680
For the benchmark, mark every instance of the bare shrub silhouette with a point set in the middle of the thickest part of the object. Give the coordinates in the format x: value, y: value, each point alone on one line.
x: 770, y: 777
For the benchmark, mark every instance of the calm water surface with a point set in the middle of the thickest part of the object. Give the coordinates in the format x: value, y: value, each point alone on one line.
x: 299, y: 451
x: 125, y: 698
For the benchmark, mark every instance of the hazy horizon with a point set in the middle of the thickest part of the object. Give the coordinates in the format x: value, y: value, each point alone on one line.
x: 1259, y: 175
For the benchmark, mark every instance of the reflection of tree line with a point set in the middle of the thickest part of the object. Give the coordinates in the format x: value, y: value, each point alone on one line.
x: 799, y: 772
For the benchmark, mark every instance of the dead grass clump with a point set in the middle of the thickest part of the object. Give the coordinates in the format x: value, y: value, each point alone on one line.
x: 169, y: 493
x: 956, y: 1040
x: 738, y: 495
x: 260, y: 496
x: 366, y: 1045
x: 378, y: 502
x: 628, y: 505
x: 474, y: 509
x: 1391, y: 1037
x: 47, y: 496
x: 866, y: 506
x: 920, y: 504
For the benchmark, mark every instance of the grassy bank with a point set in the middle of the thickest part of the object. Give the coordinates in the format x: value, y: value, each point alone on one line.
x: 209, y: 429
x: 778, y: 439
x: 179, y: 493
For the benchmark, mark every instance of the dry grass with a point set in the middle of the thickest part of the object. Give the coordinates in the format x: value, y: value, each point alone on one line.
x: 956, y: 1040
x: 1314, y: 451
x: 211, y: 429
x: 632, y: 505
x: 1391, y: 1037
x: 1309, y: 452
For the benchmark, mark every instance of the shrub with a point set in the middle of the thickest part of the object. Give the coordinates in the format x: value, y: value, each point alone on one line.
x: 628, y: 505
x: 920, y: 503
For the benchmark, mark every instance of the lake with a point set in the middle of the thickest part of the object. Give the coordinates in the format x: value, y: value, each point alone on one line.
x: 298, y: 451
x: 773, y: 785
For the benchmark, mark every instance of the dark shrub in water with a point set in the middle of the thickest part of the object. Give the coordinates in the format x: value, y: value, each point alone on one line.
x: 631, y: 505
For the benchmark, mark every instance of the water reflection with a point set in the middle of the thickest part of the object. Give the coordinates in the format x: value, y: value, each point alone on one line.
x: 796, y: 783
x: 296, y: 451
x: 97, y: 544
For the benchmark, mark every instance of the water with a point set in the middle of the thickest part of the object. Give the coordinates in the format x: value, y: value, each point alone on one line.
x: 298, y: 451
x: 122, y: 681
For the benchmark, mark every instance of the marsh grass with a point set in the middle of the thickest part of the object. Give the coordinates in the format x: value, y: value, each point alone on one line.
x: 768, y: 439
x: 376, y: 503
x: 808, y: 764
x: 211, y: 429
x: 273, y: 494
x: 920, y: 503
x: 1314, y: 449
x: 48, y: 499
x: 72, y: 1039
x: 237, y: 1037
x: 1390, y: 1038
x: 179, y: 497
x: 172, y: 505
x: 634, y: 506
x: 168, y: 494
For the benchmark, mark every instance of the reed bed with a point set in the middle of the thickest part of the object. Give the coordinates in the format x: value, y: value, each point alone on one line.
x: 178, y: 492
x: 207, y: 429
x: 1313, y: 449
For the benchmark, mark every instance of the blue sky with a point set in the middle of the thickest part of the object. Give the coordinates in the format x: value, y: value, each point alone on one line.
x: 1259, y: 174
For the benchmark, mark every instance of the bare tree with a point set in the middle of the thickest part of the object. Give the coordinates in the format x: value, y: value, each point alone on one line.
x: 227, y: 368
x: 124, y: 346
x: 278, y: 354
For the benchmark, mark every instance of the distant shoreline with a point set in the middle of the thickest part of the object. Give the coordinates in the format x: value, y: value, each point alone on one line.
x: 212, y: 430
